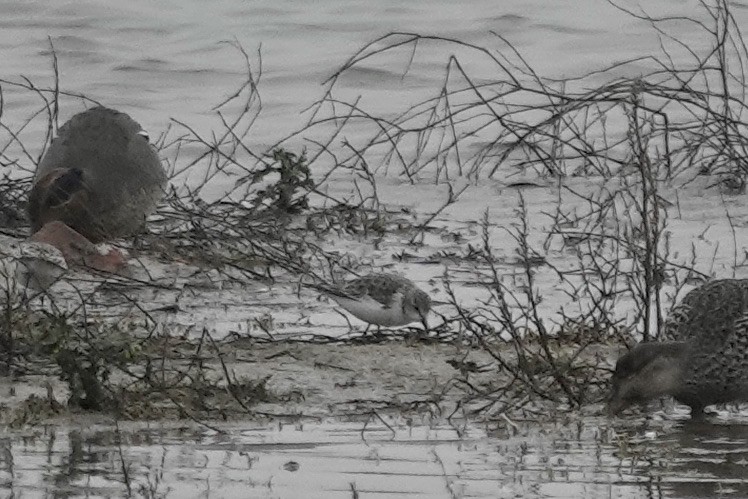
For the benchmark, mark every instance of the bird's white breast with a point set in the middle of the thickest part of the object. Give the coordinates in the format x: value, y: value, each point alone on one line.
x: 369, y: 310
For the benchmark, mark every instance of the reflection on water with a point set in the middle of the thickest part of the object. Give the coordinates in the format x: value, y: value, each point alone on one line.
x: 590, y: 458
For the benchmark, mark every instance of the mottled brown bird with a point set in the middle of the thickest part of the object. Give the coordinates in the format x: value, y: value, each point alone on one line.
x: 704, y: 361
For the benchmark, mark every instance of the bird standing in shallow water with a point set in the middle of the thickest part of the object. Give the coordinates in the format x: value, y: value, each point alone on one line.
x: 382, y: 300
x: 705, y: 360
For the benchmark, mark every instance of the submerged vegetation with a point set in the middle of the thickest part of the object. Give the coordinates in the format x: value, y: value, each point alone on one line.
x: 236, y: 220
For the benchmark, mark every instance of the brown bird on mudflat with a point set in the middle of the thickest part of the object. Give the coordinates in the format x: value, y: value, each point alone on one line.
x: 100, y: 176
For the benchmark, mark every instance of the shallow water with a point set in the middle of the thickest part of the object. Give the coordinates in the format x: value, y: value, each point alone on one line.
x: 591, y: 458
x: 169, y: 60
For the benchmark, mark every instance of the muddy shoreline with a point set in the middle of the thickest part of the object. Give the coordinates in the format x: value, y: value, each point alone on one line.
x: 299, y: 380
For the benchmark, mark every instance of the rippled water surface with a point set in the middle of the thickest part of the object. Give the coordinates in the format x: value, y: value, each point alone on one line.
x: 175, y: 59
x: 573, y: 459
x: 170, y: 59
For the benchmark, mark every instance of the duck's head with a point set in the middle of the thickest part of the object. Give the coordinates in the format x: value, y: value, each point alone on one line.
x: 648, y: 371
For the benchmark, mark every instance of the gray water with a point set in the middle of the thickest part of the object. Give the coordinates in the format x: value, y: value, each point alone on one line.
x: 170, y: 59
x: 584, y: 459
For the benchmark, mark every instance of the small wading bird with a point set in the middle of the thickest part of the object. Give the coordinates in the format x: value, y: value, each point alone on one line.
x: 381, y: 299
x: 99, y: 180
x: 705, y: 363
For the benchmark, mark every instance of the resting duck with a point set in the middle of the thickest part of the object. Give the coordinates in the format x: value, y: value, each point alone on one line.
x: 705, y: 360
x: 99, y: 180
x: 100, y: 176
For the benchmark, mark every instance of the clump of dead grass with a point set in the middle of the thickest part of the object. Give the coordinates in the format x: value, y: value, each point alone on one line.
x: 635, y: 136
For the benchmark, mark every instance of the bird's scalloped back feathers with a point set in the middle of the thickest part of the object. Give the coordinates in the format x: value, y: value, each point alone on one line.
x: 380, y: 287
x: 707, y: 315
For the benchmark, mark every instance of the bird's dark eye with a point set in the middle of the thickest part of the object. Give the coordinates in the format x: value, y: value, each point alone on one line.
x: 144, y: 134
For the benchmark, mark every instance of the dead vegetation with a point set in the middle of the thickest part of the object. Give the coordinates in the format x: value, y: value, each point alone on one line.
x: 239, y: 216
